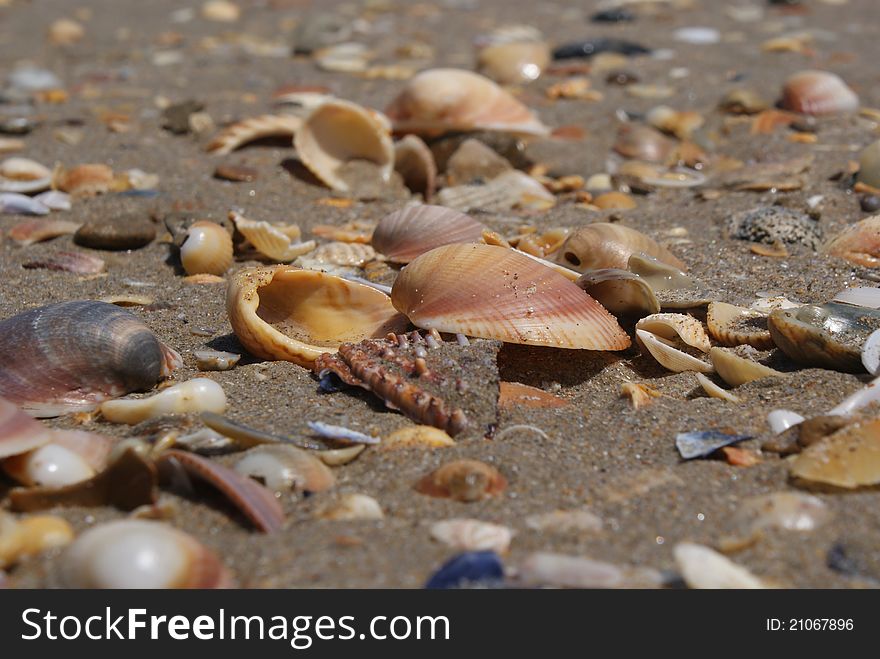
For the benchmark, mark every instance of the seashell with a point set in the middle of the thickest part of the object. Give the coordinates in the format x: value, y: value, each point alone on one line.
x: 344, y: 254
x: 439, y: 101
x: 514, y: 62
x: 697, y: 35
x: 71, y: 356
x: 472, y: 535
x: 415, y: 163
x: 11, y: 144
x: 207, y: 249
x: 255, y: 128
x: 512, y: 189
x: 24, y: 175
x: 353, y: 507
x: 340, y: 456
x: 19, y: 432
x: 818, y: 93
x: 196, y: 395
x: 463, y: 480
x: 828, y: 336
x: 131, y: 232
x: 565, y: 521
x: 772, y: 303
x: 349, y: 57
x: 702, y: 567
x: 31, y: 535
x: 236, y: 173
x: 70, y: 457
x: 340, y: 433
x: 473, y: 567
x: 639, y: 394
x: 871, y: 353
x: 714, y: 391
x: 417, y: 436
x: 65, y: 32
x: 673, y: 288
x: 127, y: 300
x: 675, y: 325
x: 337, y: 132
x: 248, y: 437
x: 19, y: 204
x: 546, y: 569
x: 642, y: 143
x: 869, y: 165
x: 614, y: 201
x: 605, y: 245
x: 789, y: 511
x: 474, y: 162
x: 281, y: 312
x: 215, y: 360
x: 861, y: 296
x: 285, y: 468
x: 254, y: 501
x: 620, y: 292
x: 669, y: 357
x: 140, y: 554
x: 743, y: 101
x: 858, y: 243
x: 277, y: 243
x: 850, y: 458
x: 492, y: 292
x: 781, y: 420
x: 77, y: 262
x: 702, y: 443
x: 403, y: 235
x: 736, y: 370
x: 775, y: 224
x: 83, y: 180
x: 681, y: 124
x: 514, y: 395
x: 731, y: 325
x: 221, y: 11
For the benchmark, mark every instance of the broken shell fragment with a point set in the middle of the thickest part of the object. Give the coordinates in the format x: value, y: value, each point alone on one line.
x: 736, y: 370
x: 207, y: 249
x: 353, y: 507
x: 850, y: 458
x: 416, y: 436
x: 284, y: 468
x: 702, y: 567
x: 71, y: 456
x: 338, y: 132
x: 255, y: 128
x: 605, y: 245
x: 670, y: 357
x: 403, y: 235
x: 215, y: 360
x: 83, y: 180
x: 196, y: 395
x: 415, y: 163
x: 38, y: 230
x: 672, y: 326
x: 281, y: 312
x: 858, y: 243
x: 76, y: 262
x: 511, y: 189
x: 492, y: 292
x: 439, y: 101
x: 472, y: 535
x: 141, y: 554
x: 279, y: 243
x: 463, y: 480
x: 731, y: 325
x: 818, y: 93
x: 713, y: 390
x: 700, y: 443
x: 69, y: 357
x: 19, y: 432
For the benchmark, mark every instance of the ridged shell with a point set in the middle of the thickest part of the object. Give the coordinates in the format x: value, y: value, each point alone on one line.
x: 337, y: 132
x: 439, y: 101
x: 731, y: 325
x: 736, y: 370
x: 512, y: 189
x: 670, y: 357
x: 463, y: 480
x: 415, y: 163
x: 254, y: 128
x: 849, y: 458
x: 621, y: 292
x: 280, y: 244
x: 492, y: 292
x: 70, y: 356
x: 207, y: 249
x: 818, y: 93
x: 858, y: 243
x: 605, y: 245
x: 403, y: 235
x: 140, y: 554
x: 19, y: 432
x: 282, y: 312
x: 472, y: 535
x: 677, y: 325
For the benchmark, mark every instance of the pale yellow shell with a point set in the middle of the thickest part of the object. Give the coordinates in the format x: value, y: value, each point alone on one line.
x: 849, y: 458
x: 605, y: 245
x: 515, y: 62
x: 426, y: 437
x: 736, y: 370
x: 415, y: 163
x: 672, y: 325
x: 253, y: 128
x: 337, y: 132
x: 281, y: 312
x: 670, y: 357
x: 206, y: 250
x: 731, y: 325
x: 714, y: 391
x: 276, y: 242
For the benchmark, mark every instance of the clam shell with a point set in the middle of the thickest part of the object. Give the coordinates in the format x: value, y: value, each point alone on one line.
x: 415, y: 163
x: 254, y: 128
x: 207, y: 249
x: 849, y: 458
x: 669, y: 357
x: 281, y: 312
x: 196, y: 395
x: 19, y: 204
x: 605, y: 245
x: 643, y: 143
x: 343, y: 254
x: 24, y: 175
x: 681, y: 124
x: 512, y: 189
x: 38, y: 230
x: 731, y: 325
x: 77, y: 262
x: 818, y: 93
x: 492, y: 292
x: 19, y: 432
x: 474, y: 161
x: 620, y: 292
x: 858, y: 243
x: 408, y: 233
x: 277, y: 243
x: 439, y: 101
x: 337, y: 132
x: 463, y: 480
x: 283, y: 468
x: 472, y: 535
x: 72, y: 456
x: 514, y: 63
x: 70, y: 356
x: 673, y: 288
x: 83, y: 180
x: 736, y: 370
x: 676, y: 325
x: 140, y: 554
x: 353, y: 507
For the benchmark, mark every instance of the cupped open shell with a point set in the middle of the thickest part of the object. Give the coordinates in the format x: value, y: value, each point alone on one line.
x: 672, y: 326
x: 338, y: 132
x: 818, y: 93
x: 605, y: 245
x: 70, y: 356
x: 621, y: 292
x: 282, y: 312
x: 496, y: 293
x: 70, y: 457
x: 439, y: 101
x: 669, y: 356
x: 207, y: 248
x: 410, y: 232
x: 731, y: 325
x: 736, y: 370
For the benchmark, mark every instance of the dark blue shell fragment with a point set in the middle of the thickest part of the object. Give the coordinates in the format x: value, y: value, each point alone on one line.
x: 590, y: 47
x: 467, y: 568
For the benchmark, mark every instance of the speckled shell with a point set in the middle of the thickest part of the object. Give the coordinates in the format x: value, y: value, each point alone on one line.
x: 207, y: 249
x: 70, y: 356
x: 282, y: 312
x: 818, y: 93
x: 492, y: 292
x: 410, y: 232
x: 604, y: 245
x: 440, y: 101
x: 337, y: 132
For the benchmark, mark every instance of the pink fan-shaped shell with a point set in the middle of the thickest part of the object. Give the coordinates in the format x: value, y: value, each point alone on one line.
x: 818, y: 92
x: 405, y: 234
x: 493, y: 292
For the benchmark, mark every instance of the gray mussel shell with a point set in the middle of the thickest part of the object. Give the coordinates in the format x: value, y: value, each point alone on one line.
x: 70, y: 356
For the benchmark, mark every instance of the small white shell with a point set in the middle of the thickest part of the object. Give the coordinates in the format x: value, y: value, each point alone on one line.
x: 558, y: 570
x: 472, y: 535
x: 781, y: 420
x: 671, y: 358
x: 196, y: 395
x: 871, y: 353
x: 353, y: 507
x: 51, y: 465
x: 861, y: 296
x: 207, y: 249
x: 565, y: 521
x: 859, y: 399
x: 702, y: 567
